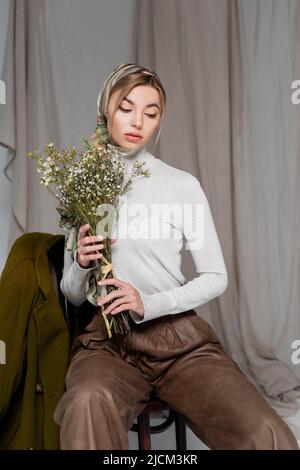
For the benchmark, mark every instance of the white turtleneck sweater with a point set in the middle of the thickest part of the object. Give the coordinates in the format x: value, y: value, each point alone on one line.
x: 147, y: 253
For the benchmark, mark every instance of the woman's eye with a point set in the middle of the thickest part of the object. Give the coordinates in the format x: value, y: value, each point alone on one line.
x: 125, y: 110
x: 128, y: 111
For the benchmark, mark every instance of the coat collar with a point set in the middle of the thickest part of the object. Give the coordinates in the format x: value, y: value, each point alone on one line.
x: 35, y: 245
x: 41, y: 263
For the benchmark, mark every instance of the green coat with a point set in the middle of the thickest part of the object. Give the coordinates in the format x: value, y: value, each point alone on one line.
x: 35, y: 333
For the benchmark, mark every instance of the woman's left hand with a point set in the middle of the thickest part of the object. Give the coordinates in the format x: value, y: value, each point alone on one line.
x: 127, y: 298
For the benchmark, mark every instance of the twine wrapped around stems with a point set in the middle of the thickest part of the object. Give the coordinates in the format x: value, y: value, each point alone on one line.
x: 120, y: 321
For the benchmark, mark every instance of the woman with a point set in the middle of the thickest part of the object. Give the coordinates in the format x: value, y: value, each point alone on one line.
x: 170, y: 349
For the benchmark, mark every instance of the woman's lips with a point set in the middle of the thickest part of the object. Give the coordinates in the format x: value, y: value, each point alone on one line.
x: 132, y: 138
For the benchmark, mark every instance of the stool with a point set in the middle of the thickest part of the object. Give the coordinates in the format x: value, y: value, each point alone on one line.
x: 144, y: 430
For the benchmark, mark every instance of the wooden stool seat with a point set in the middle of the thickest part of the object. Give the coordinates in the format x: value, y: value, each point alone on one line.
x: 144, y: 429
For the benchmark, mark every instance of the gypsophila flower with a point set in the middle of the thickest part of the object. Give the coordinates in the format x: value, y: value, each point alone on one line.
x: 81, y: 183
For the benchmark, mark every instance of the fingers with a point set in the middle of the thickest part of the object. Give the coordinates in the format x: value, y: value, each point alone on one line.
x: 113, y: 281
x: 83, y: 230
x: 89, y: 257
x: 119, y: 293
x: 90, y: 239
x: 89, y: 245
x: 117, y: 303
x: 90, y: 248
x: 85, y: 239
x: 120, y: 309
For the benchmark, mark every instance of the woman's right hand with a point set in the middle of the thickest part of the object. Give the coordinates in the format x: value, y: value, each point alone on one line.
x: 87, y: 245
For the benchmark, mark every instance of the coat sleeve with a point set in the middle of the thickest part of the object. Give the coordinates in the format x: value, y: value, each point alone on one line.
x: 18, y: 292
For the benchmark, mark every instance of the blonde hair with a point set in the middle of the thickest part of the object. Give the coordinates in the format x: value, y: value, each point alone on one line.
x: 126, y: 77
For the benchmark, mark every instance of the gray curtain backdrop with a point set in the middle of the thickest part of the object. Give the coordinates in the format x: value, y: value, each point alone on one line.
x: 227, y: 66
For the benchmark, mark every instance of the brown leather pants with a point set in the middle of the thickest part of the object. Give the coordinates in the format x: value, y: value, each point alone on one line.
x: 180, y: 358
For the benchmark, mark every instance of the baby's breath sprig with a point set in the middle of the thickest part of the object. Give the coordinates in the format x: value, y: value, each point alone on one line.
x: 82, y: 182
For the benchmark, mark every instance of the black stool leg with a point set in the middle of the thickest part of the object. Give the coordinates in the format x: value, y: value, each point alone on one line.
x: 143, y: 423
x: 180, y: 429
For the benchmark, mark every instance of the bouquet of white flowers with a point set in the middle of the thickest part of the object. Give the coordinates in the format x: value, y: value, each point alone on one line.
x: 88, y: 186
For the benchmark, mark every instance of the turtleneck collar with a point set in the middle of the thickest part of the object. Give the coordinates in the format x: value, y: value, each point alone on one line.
x: 140, y: 154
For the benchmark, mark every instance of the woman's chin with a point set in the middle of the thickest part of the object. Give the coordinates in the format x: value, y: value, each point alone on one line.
x: 128, y: 145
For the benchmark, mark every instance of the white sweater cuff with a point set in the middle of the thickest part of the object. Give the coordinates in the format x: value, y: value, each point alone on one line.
x: 155, y: 305
x: 74, y: 281
x: 183, y: 298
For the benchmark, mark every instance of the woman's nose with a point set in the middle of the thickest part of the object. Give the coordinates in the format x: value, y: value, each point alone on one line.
x: 137, y: 122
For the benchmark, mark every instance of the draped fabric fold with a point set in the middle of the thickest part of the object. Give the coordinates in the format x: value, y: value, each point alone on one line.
x: 29, y: 117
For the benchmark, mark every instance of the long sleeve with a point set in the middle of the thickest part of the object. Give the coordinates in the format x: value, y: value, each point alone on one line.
x: 207, y: 256
x: 74, y: 279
